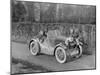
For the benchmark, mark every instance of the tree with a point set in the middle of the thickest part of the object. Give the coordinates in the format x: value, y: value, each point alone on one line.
x: 18, y: 11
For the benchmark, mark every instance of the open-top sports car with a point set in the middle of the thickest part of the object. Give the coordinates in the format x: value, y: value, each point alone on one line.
x: 56, y: 44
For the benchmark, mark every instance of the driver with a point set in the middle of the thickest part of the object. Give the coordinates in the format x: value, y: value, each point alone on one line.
x: 43, y: 35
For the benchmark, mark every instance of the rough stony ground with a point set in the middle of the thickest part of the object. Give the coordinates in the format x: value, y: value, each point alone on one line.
x: 20, y: 51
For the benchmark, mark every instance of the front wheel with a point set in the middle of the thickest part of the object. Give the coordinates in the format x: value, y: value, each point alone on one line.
x: 79, y: 48
x: 34, y: 47
x: 61, y: 55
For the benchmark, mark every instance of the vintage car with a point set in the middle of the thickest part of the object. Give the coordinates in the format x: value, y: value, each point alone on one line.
x: 55, y: 44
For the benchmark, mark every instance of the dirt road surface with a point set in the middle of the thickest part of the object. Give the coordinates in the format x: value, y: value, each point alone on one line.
x: 21, y: 51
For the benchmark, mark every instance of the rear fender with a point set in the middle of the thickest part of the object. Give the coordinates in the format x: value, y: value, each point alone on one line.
x: 31, y: 41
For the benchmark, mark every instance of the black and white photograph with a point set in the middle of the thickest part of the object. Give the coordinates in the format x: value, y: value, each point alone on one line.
x: 52, y: 37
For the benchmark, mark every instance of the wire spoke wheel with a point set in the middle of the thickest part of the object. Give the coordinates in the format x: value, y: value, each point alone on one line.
x: 60, y: 55
x: 34, y: 48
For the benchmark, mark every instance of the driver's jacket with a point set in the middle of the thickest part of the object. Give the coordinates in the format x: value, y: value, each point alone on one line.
x: 42, y: 37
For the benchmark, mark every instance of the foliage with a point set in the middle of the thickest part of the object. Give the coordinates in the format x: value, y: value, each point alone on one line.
x: 53, y: 13
x: 18, y: 11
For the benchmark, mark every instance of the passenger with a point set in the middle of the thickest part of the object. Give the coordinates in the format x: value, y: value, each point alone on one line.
x: 71, y: 39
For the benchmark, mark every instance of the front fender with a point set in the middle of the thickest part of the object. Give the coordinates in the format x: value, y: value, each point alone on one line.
x: 59, y: 45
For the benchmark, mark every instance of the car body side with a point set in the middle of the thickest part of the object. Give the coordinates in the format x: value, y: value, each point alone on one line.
x: 51, y: 42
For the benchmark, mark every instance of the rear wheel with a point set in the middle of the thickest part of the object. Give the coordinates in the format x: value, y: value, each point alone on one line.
x: 34, y: 48
x: 60, y: 55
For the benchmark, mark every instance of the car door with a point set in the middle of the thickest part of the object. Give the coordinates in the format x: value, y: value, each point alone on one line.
x: 46, y: 47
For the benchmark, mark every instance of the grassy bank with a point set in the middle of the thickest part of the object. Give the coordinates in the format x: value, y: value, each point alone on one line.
x: 20, y: 66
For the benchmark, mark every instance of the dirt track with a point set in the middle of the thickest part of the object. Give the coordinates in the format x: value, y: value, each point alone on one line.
x: 21, y: 51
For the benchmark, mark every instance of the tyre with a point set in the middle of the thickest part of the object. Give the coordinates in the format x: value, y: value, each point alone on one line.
x: 61, y: 55
x: 79, y: 48
x: 34, y: 47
